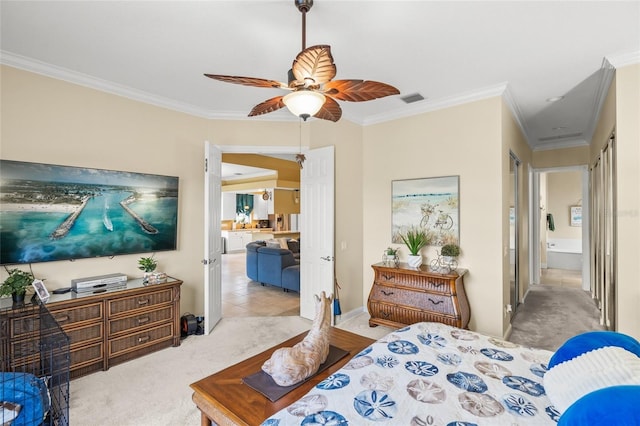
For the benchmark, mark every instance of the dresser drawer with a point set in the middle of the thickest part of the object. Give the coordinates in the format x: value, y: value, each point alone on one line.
x: 24, y: 348
x: 418, y: 282
x: 138, y: 340
x: 88, y: 354
x: 72, y: 316
x: 393, y: 314
x: 85, y: 334
x: 145, y: 319
x: 127, y: 304
x: 24, y: 326
x: 416, y: 299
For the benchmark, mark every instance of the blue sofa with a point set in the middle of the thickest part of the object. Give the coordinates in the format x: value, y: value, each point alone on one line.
x: 274, y: 266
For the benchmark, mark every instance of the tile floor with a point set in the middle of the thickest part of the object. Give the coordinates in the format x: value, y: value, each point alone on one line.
x: 561, y: 277
x: 242, y: 297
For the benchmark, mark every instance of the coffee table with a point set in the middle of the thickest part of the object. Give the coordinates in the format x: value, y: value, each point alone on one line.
x: 224, y: 400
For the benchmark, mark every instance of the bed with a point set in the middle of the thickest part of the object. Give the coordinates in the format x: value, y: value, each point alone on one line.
x: 434, y: 374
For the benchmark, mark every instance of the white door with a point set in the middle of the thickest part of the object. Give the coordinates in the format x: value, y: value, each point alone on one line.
x: 212, y: 242
x: 316, y: 227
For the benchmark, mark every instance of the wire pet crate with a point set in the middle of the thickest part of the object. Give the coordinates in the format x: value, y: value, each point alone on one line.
x: 34, y: 359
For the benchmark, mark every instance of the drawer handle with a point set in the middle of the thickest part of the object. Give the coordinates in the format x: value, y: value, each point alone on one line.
x: 143, y: 320
x: 143, y: 302
x: 386, y: 293
x: 437, y: 284
x: 385, y: 314
x: 388, y: 277
x: 62, y: 318
x: 435, y: 302
x: 143, y: 339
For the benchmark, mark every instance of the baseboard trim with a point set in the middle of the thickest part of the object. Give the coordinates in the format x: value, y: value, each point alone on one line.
x: 349, y: 315
x: 507, y: 333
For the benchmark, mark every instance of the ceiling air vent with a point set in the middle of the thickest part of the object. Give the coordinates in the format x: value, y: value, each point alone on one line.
x: 556, y: 138
x: 409, y: 99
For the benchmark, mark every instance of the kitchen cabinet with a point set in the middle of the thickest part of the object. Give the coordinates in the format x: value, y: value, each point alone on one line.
x: 228, y: 206
x: 237, y: 240
x: 262, y: 208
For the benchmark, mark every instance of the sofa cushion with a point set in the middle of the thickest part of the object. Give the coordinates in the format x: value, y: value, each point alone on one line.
x: 252, y: 259
x: 294, y: 246
x: 291, y: 278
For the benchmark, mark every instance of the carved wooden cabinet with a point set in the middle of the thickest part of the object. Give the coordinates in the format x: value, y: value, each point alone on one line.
x: 112, y: 327
x: 403, y: 295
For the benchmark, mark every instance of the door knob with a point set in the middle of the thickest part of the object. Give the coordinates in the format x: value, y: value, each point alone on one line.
x: 328, y: 258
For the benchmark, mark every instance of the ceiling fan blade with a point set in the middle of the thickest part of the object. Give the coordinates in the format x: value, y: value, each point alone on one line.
x: 358, y: 90
x: 248, y: 81
x: 267, y: 106
x: 330, y: 110
x: 314, y: 65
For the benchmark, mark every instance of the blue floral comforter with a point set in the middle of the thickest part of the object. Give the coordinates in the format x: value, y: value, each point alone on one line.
x: 431, y: 374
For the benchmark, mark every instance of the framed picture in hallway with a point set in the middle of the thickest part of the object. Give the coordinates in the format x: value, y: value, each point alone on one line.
x: 575, y: 215
x: 428, y: 203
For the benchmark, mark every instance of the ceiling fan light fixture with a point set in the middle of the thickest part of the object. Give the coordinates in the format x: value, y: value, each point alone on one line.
x: 304, y: 103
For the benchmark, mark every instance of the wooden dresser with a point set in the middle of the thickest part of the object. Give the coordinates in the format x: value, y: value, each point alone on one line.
x: 115, y: 326
x: 403, y: 295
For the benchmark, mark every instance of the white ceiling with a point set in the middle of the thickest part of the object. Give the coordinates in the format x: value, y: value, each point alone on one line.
x: 448, y: 51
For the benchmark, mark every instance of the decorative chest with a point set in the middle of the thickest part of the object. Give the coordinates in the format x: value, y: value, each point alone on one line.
x: 403, y: 295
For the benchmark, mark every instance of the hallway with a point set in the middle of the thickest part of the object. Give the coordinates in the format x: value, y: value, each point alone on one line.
x: 242, y: 297
x: 554, y: 311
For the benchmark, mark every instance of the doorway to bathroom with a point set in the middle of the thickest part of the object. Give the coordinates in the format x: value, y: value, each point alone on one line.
x: 560, y: 243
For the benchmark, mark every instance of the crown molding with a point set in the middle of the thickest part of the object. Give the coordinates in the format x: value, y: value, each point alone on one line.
x: 607, y: 71
x: 623, y: 59
x: 48, y: 70
x: 428, y: 106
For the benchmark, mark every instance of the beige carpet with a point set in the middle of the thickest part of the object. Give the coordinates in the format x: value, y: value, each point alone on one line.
x: 154, y: 389
x: 552, y: 314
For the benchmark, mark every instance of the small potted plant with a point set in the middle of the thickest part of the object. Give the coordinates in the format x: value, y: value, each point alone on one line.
x: 449, y: 253
x: 415, y: 239
x: 390, y: 256
x: 148, y: 265
x: 16, y: 284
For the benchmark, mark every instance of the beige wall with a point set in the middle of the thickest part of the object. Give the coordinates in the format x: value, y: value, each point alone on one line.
x: 628, y: 198
x: 621, y: 110
x: 51, y: 121
x: 564, y: 189
x: 436, y: 144
x: 514, y: 141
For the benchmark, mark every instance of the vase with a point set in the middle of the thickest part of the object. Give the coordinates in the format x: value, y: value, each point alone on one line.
x: 18, y: 299
x: 414, y: 261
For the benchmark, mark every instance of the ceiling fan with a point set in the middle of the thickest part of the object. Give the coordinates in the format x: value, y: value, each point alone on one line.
x: 313, y: 93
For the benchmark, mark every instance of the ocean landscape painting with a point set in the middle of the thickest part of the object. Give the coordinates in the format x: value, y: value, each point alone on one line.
x: 431, y: 204
x: 50, y: 212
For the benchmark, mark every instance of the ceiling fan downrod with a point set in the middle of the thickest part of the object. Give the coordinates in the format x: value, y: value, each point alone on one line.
x: 304, y: 6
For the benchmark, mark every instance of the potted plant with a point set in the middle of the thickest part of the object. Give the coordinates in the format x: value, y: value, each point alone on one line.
x: 16, y: 284
x: 390, y: 256
x: 449, y: 253
x: 148, y: 265
x: 415, y: 239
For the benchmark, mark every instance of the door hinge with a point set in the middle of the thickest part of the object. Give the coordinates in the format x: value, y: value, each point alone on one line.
x: 206, y: 165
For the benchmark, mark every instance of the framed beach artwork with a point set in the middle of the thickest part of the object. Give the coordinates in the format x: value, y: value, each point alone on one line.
x: 575, y: 214
x: 50, y: 212
x: 432, y: 204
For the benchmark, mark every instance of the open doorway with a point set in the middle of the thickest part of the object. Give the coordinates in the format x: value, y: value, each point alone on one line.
x: 259, y: 208
x: 560, y: 243
x: 317, y: 207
